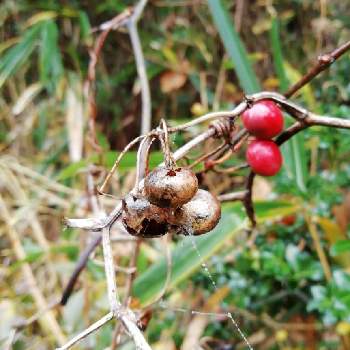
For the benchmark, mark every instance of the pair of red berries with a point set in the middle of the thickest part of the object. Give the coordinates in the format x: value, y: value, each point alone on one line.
x: 264, y: 120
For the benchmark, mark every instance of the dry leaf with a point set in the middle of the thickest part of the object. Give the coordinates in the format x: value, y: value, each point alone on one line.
x: 172, y: 81
x: 194, y: 332
x: 75, y: 123
x: 26, y: 98
x: 342, y: 213
x: 261, y: 189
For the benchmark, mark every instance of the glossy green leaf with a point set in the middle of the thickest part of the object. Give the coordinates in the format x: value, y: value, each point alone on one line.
x: 185, y: 261
x: 234, y: 46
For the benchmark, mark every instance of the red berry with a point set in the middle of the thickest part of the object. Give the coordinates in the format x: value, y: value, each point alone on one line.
x: 263, y: 120
x: 264, y: 157
x: 289, y: 220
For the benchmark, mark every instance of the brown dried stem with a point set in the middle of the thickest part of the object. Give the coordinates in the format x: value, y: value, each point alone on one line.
x: 79, y: 267
x: 323, y: 62
x: 125, y: 315
x: 94, y: 53
x: 128, y: 288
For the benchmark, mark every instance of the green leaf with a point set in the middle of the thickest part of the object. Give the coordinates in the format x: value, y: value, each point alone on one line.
x: 278, y: 55
x: 72, y: 170
x: 299, y: 161
x: 85, y: 27
x: 295, y: 162
x: 185, y: 261
x: 15, y: 57
x: 50, y: 60
x: 35, y: 253
x: 234, y: 47
x: 340, y: 247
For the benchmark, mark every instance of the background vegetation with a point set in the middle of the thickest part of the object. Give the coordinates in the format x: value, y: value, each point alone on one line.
x: 288, y: 289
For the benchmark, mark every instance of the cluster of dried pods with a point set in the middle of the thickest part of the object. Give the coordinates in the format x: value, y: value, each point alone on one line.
x: 169, y: 201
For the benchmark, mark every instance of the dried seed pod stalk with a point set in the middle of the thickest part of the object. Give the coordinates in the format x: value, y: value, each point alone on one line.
x: 169, y: 187
x: 143, y: 219
x: 200, y: 215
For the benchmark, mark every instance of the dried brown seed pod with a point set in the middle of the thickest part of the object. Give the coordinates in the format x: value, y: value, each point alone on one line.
x: 170, y: 187
x: 200, y: 215
x: 143, y: 219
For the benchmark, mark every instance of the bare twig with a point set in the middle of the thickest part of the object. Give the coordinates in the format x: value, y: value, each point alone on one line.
x: 141, y: 67
x: 142, y: 161
x: 110, y: 272
x: 95, y: 326
x: 234, y: 196
x: 289, y: 132
x: 220, y: 84
x: 128, y: 288
x: 323, y: 62
x: 125, y: 315
x: 239, y: 14
x: 116, y: 22
x: 207, y: 155
x: 138, y: 9
x: 95, y: 224
x: 83, y: 259
x: 230, y: 170
x: 115, y: 165
x: 248, y: 199
x: 211, y: 116
x: 89, y: 90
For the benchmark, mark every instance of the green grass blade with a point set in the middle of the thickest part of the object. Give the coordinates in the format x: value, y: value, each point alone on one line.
x: 185, y: 261
x: 50, y: 60
x: 17, y: 55
x: 234, y: 47
x: 278, y: 55
x: 294, y: 150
